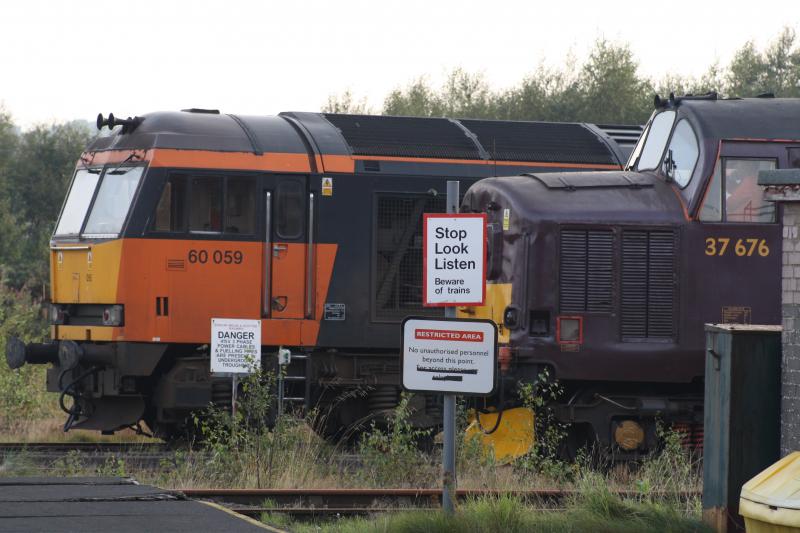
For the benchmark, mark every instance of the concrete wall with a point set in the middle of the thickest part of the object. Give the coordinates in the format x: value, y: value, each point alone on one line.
x: 790, y: 375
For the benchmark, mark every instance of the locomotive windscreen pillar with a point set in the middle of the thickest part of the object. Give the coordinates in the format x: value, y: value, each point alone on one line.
x: 783, y: 188
x: 741, y: 415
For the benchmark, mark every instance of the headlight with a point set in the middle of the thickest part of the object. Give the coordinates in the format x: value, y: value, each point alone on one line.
x: 56, y: 314
x: 113, y: 315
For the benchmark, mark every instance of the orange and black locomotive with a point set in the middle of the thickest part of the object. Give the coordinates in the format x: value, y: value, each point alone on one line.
x: 308, y: 222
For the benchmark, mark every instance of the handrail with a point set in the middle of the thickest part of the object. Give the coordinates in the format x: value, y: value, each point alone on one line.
x: 266, y: 304
x: 310, y: 259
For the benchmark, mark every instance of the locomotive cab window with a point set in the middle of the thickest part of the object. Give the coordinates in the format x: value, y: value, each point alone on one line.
x: 681, y: 156
x: 171, y: 209
x: 734, y: 195
x: 113, y: 201
x: 205, y: 204
x: 78, y: 200
x: 656, y: 141
x: 240, y: 206
x: 200, y: 200
x: 291, y: 207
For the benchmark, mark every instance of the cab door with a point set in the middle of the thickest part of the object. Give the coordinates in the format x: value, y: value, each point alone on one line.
x: 735, y: 248
x: 288, y: 248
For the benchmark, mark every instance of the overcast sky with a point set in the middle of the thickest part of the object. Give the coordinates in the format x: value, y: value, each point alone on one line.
x: 63, y: 60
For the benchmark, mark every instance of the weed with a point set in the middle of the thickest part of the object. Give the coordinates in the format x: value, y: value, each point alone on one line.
x: 70, y: 464
x: 392, y: 456
x: 544, y: 456
x: 113, y: 466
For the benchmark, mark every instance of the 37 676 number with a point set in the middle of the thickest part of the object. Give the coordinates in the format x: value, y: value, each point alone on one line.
x: 220, y: 257
x: 742, y: 247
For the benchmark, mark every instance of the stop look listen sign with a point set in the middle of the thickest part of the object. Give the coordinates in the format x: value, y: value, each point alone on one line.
x: 454, y: 259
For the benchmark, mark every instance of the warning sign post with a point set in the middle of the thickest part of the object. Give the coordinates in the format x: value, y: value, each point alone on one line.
x: 457, y: 356
x: 451, y: 356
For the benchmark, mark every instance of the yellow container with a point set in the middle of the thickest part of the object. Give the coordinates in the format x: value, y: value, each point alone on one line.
x: 770, y: 502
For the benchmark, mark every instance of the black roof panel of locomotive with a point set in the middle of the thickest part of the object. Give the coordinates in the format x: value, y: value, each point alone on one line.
x: 366, y: 135
x: 549, y: 142
x: 746, y: 118
x: 373, y: 135
x: 207, y: 131
x: 532, y: 197
x: 558, y: 180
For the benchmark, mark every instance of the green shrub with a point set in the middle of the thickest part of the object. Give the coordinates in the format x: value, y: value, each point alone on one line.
x: 392, y: 456
x: 22, y: 392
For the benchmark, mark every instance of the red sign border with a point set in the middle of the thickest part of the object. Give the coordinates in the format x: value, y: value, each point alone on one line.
x: 425, y: 218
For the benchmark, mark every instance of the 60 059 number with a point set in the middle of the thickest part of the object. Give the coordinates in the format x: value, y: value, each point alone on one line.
x: 220, y: 257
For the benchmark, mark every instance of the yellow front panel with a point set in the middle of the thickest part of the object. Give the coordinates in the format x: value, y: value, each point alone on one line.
x: 498, y: 297
x: 81, y: 275
x: 87, y: 333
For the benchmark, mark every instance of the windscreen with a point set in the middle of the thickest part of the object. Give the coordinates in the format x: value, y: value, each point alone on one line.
x: 113, y: 201
x: 78, y: 200
x: 656, y: 140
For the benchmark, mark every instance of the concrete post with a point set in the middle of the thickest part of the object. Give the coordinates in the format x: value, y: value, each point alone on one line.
x: 783, y: 188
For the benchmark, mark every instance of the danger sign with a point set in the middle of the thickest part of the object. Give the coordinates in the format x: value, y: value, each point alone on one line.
x: 235, y: 345
x: 454, y: 256
x: 449, y: 355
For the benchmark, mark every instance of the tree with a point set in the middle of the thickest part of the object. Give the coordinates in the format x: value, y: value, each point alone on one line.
x: 777, y: 70
x: 346, y: 103
x: 34, y: 184
x: 610, y: 89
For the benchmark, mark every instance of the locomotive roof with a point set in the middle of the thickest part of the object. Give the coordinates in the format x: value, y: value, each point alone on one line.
x: 373, y: 135
x: 746, y: 118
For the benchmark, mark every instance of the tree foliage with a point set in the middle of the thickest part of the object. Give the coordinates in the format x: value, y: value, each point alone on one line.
x: 35, y: 170
x: 606, y: 88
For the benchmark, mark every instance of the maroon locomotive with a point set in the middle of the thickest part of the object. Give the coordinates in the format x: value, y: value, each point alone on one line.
x: 606, y: 278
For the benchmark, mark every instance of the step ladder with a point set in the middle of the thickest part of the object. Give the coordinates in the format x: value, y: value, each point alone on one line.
x: 294, y: 392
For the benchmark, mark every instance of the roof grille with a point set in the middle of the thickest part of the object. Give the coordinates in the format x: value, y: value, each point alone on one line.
x: 547, y: 142
x: 404, y: 136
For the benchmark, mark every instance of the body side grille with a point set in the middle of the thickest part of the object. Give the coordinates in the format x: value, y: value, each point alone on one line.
x: 648, y: 284
x: 586, y: 271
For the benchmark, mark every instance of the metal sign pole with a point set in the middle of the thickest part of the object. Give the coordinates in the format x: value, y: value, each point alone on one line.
x: 234, y: 382
x: 449, y: 481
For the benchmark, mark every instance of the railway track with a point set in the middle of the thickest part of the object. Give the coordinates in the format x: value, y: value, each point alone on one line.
x: 85, y: 447
x: 302, y: 503
x: 73, y: 455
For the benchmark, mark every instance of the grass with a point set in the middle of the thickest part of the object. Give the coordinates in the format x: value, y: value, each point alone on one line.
x: 595, y: 510
x: 242, y: 452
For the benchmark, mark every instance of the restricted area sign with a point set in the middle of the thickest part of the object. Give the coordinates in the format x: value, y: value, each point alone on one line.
x: 235, y: 345
x: 457, y: 356
x: 454, y: 256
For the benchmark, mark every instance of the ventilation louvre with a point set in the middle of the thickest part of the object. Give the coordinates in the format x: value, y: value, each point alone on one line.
x: 648, y: 284
x: 586, y: 271
x: 404, y: 136
x: 397, y: 259
x: 549, y: 142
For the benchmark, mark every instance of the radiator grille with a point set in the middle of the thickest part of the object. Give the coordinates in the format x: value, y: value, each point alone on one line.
x: 648, y: 284
x: 540, y: 141
x: 404, y: 136
x: 586, y: 271
x: 398, y: 255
